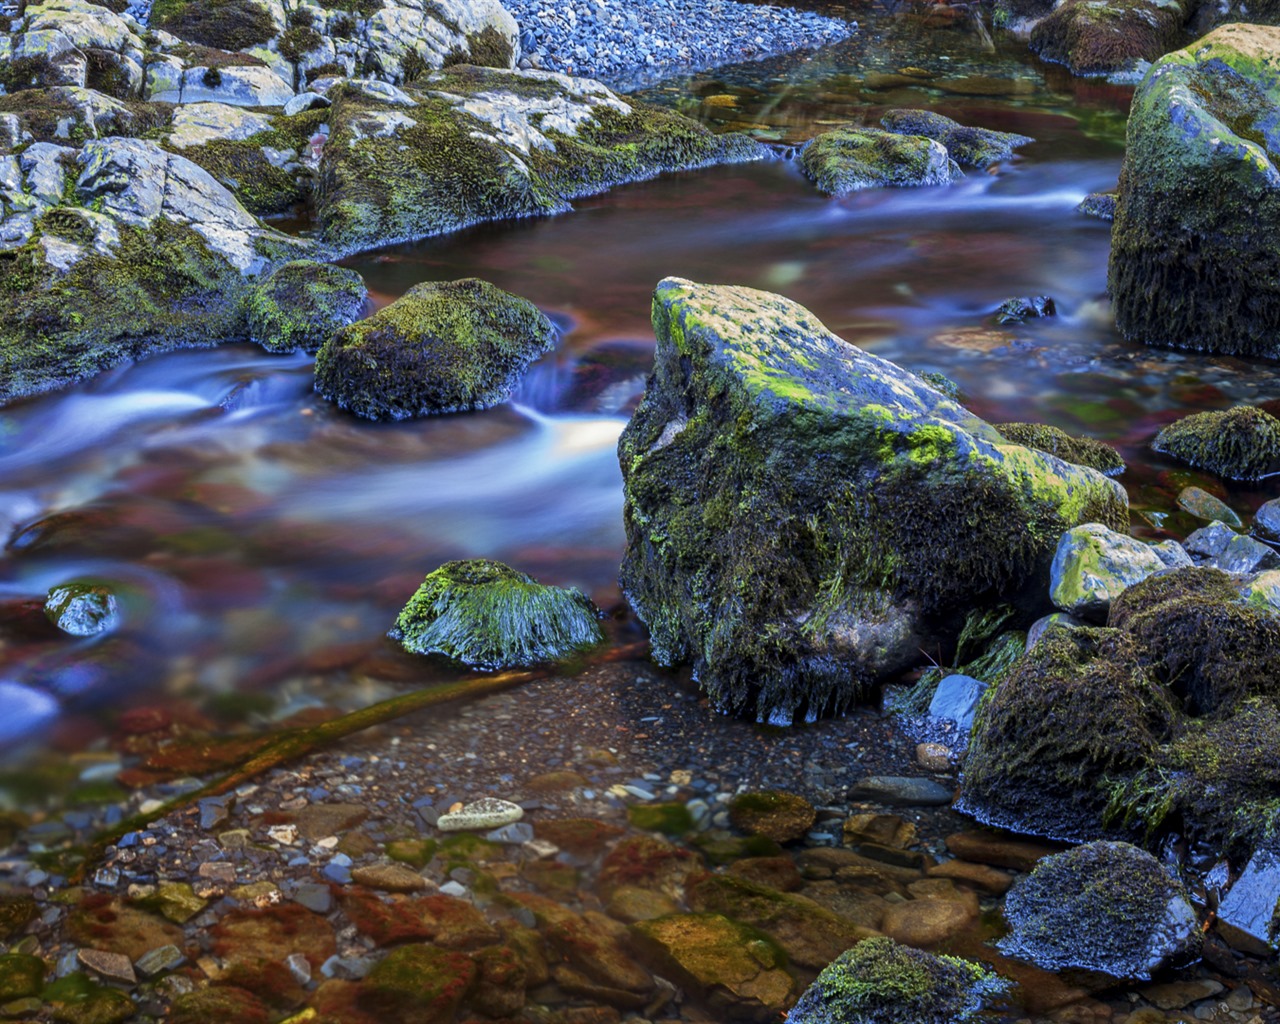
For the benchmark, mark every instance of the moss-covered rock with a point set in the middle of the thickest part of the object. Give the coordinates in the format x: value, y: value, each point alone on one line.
x: 672, y: 819
x: 737, y: 971
x: 881, y: 982
x: 82, y: 609
x: 1104, y: 906
x: 219, y: 1003
x: 21, y: 976
x: 442, y: 347
x: 848, y: 159
x: 801, y: 515
x: 1195, y: 259
x: 481, y: 144
x: 1099, y: 37
x: 1083, y: 451
x: 1094, y: 565
x: 1242, y: 443
x: 967, y: 146
x: 75, y: 999
x: 302, y: 304
x: 487, y: 615
x: 223, y: 24
x: 419, y: 984
x: 774, y: 814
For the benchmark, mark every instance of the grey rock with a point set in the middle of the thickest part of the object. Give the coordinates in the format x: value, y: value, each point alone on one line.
x: 316, y: 898
x: 1266, y: 521
x: 1247, y: 917
x: 956, y: 700
x: 1219, y: 546
x: 1039, y: 627
x: 305, y: 101
x: 517, y: 833
x: 1094, y: 565
x: 158, y: 960
x: 82, y: 609
x: 900, y: 791
x: 969, y: 147
x: 1173, y: 554
x: 112, y: 966
x: 1203, y: 505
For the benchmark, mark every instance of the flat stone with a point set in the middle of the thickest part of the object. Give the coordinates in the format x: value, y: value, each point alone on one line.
x: 319, y: 821
x: 884, y: 829
x: 112, y: 966
x: 1174, y: 995
x: 925, y: 922
x: 985, y: 847
x: 1246, y: 914
x: 389, y: 878
x: 1203, y: 505
x: 481, y: 815
x: 316, y: 898
x: 980, y: 876
x: 901, y: 791
x: 158, y: 960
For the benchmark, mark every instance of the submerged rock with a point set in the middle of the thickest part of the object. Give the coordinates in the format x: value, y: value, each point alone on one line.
x: 1083, y: 451
x: 489, y: 616
x: 440, y: 348
x: 1104, y: 906
x: 800, y: 514
x: 1242, y: 443
x: 302, y: 304
x: 849, y: 159
x: 1203, y: 505
x: 782, y: 817
x: 1101, y: 205
x: 969, y: 147
x: 1103, y: 37
x: 82, y: 609
x: 1194, y: 259
x: 1094, y: 565
x: 881, y: 982
x: 479, y: 144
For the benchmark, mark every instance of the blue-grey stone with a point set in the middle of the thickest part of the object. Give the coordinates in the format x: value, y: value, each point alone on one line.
x: 956, y: 700
x: 1247, y: 917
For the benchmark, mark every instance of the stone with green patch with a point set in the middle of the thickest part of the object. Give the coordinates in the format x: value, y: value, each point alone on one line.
x: 968, y: 146
x: 1083, y: 451
x: 1094, y: 565
x: 1241, y: 443
x: 303, y: 304
x: 1098, y: 37
x: 849, y: 159
x: 802, y: 517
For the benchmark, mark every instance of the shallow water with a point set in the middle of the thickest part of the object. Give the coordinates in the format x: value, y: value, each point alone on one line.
x: 251, y: 529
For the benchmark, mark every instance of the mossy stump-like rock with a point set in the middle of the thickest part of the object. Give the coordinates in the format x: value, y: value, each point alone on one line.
x: 1195, y: 257
x: 849, y: 159
x: 1242, y: 443
x: 880, y: 982
x: 489, y: 616
x: 1103, y: 906
x: 1083, y: 451
x: 1099, y: 37
x: 802, y: 517
x: 442, y: 347
x: 967, y: 146
x: 302, y: 305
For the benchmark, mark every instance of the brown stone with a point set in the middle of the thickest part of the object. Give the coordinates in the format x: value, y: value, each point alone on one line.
x: 648, y: 863
x: 449, y: 922
x: 1174, y: 995
x: 980, y: 876
x: 774, y: 814
x: 575, y: 983
x: 389, y: 878
x: 630, y: 904
x: 778, y: 873
x: 274, y: 934
x: 934, y: 757
x: 945, y: 889
x: 101, y: 923
x: 555, y: 782
x: 112, y: 966
x: 319, y: 821
x: 924, y: 923
x: 863, y: 908
x: 582, y: 837
x: 357, y: 844
x: 882, y: 829
x: 985, y: 846
x: 594, y: 947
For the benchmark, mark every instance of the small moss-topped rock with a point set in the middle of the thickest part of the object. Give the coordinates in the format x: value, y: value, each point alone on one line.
x: 735, y: 969
x: 1083, y: 451
x: 442, y: 347
x: 1094, y: 565
x: 969, y: 147
x: 849, y: 159
x: 20, y: 976
x: 419, y: 984
x: 75, y: 999
x: 782, y: 817
x: 1103, y: 906
x: 1240, y: 444
x: 301, y: 305
x: 487, y: 615
x: 881, y: 982
x: 219, y: 1003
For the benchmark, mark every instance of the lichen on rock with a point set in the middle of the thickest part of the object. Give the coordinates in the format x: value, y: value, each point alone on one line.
x: 968, y: 146
x: 849, y: 159
x: 302, y: 304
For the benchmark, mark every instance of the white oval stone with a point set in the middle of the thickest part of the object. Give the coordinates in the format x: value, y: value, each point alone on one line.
x: 481, y: 815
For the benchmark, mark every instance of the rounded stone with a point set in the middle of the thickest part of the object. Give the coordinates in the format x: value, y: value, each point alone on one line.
x: 782, y: 817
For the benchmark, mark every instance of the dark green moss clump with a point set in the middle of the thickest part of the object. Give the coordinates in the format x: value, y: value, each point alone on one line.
x: 1240, y: 444
x: 881, y: 982
x: 849, y: 159
x: 1083, y: 451
x: 445, y: 347
x: 419, y: 984
x: 302, y: 304
x: 163, y: 288
x: 487, y: 615
x: 672, y: 819
x: 21, y: 976
x: 223, y: 24
x: 1103, y: 906
x: 969, y: 147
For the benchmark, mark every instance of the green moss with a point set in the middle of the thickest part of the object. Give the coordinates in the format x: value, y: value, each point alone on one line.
x: 74, y: 999
x: 969, y: 147
x: 223, y: 24
x: 302, y: 304
x: 416, y: 853
x: 878, y: 981
x: 418, y: 984
x: 487, y: 615
x: 1099, y: 38
x: 262, y: 188
x: 1083, y: 451
x: 442, y: 347
x: 672, y: 819
x: 219, y: 1003
x: 297, y: 41
x: 21, y: 976
x: 848, y: 159
x: 942, y: 383
x: 489, y: 48
x: 1242, y: 443
x: 720, y: 851
x: 16, y: 912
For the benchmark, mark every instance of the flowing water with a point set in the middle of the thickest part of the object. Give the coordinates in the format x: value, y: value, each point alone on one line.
x: 258, y: 537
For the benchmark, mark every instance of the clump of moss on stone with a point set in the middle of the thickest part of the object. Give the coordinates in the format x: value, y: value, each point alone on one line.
x: 75, y: 998
x: 222, y: 24
x: 967, y: 146
x: 672, y: 819
x: 222, y: 1002
x: 1095, y: 38
x: 302, y: 304
x: 442, y: 347
x: 240, y: 164
x: 1242, y: 443
x: 487, y: 615
x: 848, y: 159
x: 490, y: 48
x: 299, y: 40
x: 1083, y: 451
x: 881, y: 982
x: 419, y: 984
x: 941, y: 382
x: 21, y: 976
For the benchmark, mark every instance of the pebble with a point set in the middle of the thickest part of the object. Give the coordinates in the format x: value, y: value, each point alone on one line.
x: 112, y: 966
x: 316, y: 898
x: 480, y: 815
x: 901, y: 791
x: 392, y: 877
x: 158, y: 960
x: 299, y: 967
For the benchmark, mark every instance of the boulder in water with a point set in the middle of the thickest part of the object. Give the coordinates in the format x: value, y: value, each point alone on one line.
x: 82, y: 609
x: 967, y: 146
x: 489, y: 616
x: 849, y: 159
x: 441, y: 347
x: 1106, y: 37
x: 802, y: 515
x: 1103, y: 906
x: 302, y: 304
x: 1242, y: 443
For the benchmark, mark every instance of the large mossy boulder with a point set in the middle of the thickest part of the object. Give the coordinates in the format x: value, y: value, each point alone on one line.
x: 1105, y: 37
x: 849, y: 159
x: 1083, y: 451
x: 1240, y: 444
x: 442, y: 347
x: 489, y: 616
x: 1103, y: 906
x: 968, y: 146
x: 1195, y: 256
x: 303, y: 304
x: 879, y: 981
x: 481, y: 144
x: 1165, y: 719
x: 803, y: 516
